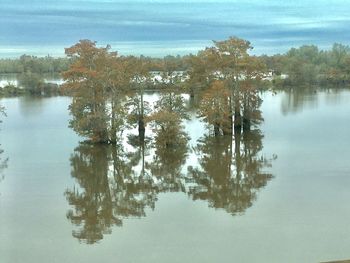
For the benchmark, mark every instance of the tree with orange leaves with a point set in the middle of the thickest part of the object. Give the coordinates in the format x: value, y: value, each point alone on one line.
x: 215, y: 108
x: 230, y: 62
x: 95, y: 79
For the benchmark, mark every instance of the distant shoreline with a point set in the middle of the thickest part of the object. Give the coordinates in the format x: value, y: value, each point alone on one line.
x: 155, y: 49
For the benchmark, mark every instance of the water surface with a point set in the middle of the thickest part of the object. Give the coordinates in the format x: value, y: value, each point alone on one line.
x: 276, y: 194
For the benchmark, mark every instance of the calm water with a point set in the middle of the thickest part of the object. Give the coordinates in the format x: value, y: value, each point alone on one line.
x: 277, y: 194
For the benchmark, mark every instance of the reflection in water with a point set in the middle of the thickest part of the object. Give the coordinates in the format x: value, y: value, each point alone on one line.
x: 230, y: 171
x: 3, y: 165
x: 31, y: 106
x: 295, y: 100
x: 168, y: 161
x: 108, y: 192
x: 119, y: 182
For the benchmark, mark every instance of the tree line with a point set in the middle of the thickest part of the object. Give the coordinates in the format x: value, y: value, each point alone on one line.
x: 309, y: 65
x: 304, y: 65
x: 39, y: 65
x: 30, y: 73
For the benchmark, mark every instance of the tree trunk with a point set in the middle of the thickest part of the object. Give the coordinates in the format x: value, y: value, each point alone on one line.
x: 101, y: 136
x: 113, y: 125
x: 216, y: 129
x: 246, y: 124
x: 238, y: 119
x: 191, y: 93
x: 228, y: 130
x: 100, y: 133
x: 141, y: 128
x: 141, y: 117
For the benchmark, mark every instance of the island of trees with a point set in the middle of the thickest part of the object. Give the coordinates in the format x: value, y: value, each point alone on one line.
x: 224, y: 80
x: 108, y: 91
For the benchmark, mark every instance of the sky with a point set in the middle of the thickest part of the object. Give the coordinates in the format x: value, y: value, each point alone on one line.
x: 157, y: 28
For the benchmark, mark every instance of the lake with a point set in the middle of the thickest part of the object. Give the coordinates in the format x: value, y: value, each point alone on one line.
x: 278, y: 193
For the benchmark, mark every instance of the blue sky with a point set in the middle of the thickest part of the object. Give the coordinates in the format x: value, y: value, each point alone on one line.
x: 158, y: 27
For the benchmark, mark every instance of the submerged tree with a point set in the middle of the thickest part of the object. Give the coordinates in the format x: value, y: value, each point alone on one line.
x: 201, y: 67
x: 215, y: 108
x: 167, y: 119
x: 140, y: 79
x: 95, y: 79
x: 230, y: 62
x: 170, y: 142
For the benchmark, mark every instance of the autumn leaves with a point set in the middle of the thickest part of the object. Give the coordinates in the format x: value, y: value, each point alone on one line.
x: 108, y: 91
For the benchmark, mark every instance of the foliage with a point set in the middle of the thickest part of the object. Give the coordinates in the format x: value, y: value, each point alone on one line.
x: 239, y: 73
x: 308, y: 65
x: 34, y: 64
x: 167, y: 119
x: 95, y: 82
x: 215, y: 108
x: 32, y: 82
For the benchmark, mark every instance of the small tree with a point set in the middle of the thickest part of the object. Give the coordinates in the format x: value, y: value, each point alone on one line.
x: 31, y: 82
x: 215, y: 108
x: 167, y: 119
x: 139, y: 69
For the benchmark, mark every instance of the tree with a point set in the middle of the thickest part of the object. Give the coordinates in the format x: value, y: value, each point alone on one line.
x: 167, y: 119
x: 200, y: 71
x: 215, y: 109
x: 140, y: 71
x: 229, y: 62
x: 96, y: 80
x: 31, y: 82
x: 236, y: 66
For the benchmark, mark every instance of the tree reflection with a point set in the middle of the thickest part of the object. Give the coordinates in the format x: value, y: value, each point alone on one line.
x: 168, y: 161
x: 108, y: 191
x: 296, y: 100
x: 231, y: 171
x: 121, y: 181
x: 3, y: 164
